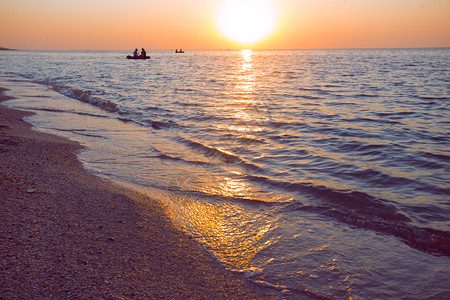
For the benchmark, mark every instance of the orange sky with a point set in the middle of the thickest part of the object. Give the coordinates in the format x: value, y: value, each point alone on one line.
x: 192, y: 24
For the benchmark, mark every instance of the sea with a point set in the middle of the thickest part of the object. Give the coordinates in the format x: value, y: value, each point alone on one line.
x: 322, y: 174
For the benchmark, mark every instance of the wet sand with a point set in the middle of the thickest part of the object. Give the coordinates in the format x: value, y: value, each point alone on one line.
x: 66, y: 233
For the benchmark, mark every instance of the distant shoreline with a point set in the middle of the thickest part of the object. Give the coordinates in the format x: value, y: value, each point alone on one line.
x: 6, y: 49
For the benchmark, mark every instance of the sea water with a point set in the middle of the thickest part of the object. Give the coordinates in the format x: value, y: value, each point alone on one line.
x: 324, y: 172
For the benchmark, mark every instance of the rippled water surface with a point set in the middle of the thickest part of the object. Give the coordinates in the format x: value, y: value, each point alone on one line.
x: 325, y: 172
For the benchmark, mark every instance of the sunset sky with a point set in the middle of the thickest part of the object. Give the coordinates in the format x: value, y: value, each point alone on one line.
x: 203, y: 24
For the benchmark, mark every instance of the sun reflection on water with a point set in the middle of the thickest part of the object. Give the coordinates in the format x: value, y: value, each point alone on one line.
x: 234, y: 234
x: 233, y: 187
x: 246, y: 55
x: 226, y: 221
x: 244, y: 102
x: 246, y: 77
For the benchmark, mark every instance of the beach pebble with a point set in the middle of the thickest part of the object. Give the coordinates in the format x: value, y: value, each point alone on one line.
x: 286, y: 292
x: 314, y: 276
x: 269, y: 285
x: 252, y: 271
x: 30, y: 191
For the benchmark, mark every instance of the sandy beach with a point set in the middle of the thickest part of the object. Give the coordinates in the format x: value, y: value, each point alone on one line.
x: 66, y: 233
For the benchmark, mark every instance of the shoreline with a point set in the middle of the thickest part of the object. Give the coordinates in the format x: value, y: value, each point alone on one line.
x: 68, y: 233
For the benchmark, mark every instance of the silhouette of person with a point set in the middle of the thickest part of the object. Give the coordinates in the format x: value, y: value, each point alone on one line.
x: 135, y: 52
x: 143, y: 53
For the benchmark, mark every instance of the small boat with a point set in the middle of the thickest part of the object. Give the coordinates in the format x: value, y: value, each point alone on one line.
x: 179, y: 51
x: 138, y: 57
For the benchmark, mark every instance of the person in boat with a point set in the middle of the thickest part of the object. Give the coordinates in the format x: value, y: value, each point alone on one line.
x: 135, y: 52
x: 143, y: 53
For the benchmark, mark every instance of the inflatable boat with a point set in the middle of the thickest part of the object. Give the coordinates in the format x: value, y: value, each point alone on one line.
x: 138, y: 57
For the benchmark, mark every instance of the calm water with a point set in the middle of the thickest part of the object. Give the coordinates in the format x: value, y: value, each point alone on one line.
x: 326, y: 172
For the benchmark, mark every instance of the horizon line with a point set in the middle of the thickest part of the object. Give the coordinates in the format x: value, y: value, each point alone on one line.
x: 232, y: 49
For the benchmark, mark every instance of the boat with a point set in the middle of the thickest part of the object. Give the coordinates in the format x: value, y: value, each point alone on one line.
x: 138, y: 57
x: 179, y: 51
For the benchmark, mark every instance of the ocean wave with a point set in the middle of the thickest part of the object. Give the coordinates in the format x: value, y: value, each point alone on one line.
x: 364, y: 211
x: 367, y: 120
x: 161, y: 125
x: 361, y: 147
x: 163, y: 156
x: 365, y: 95
x: 308, y: 97
x: 432, y: 98
x: 437, y: 157
x: 85, y: 96
x: 81, y: 132
x: 246, y: 139
x: 222, y: 155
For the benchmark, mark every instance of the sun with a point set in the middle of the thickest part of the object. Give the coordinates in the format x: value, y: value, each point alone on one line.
x: 246, y: 21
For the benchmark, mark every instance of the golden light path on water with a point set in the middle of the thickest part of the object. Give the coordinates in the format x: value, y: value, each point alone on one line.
x: 243, y: 103
x: 234, y: 233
